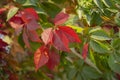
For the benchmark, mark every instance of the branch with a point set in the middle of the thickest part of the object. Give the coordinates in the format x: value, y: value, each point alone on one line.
x: 87, y: 61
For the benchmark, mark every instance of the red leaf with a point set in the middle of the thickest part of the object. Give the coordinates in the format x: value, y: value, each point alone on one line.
x: 60, y: 41
x: 85, y: 51
x: 54, y: 59
x: 25, y: 38
x: 17, y: 24
x: 69, y: 33
x: 60, y: 18
x: 41, y: 57
x: 32, y: 12
x: 47, y: 36
x: 32, y: 25
x: 33, y: 36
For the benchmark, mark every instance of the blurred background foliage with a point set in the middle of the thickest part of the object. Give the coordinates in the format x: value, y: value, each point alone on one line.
x: 96, y: 21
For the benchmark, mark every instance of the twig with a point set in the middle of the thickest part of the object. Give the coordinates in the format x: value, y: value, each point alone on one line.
x: 87, y: 61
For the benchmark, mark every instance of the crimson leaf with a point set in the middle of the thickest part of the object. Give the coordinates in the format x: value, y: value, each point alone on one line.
x: 41, y: 57
x: 69, y: 33
x: 60, y: 41
x: 54, y: 60
x: 60, y: 18
x: 32, y: 12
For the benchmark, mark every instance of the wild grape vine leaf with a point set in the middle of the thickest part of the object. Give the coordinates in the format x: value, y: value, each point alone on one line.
x: 26, y: 20
x: 60, y: 41
x: 47, y: 36
x: 85, y: 51
x: 54, y: 59
x: 41, y: 57
x: 60, y: 37
x: 69, y: 33
x: 60, y: 18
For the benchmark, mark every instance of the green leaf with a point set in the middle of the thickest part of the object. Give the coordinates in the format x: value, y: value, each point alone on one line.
x: 94, y: 30
x: 51, y: 9
x: 30, y: 3
x: 90, y: 73
x: 99, y: 3
x: 34, y: 45
x: 99, y: 47
x: 107, y: 3
x: 39, y: 10
x: 116, y: 43
x: 96, y: 19
x: 117, y: 19
x: 20, y: 1
x: 100, y: 35
x: 72, y: 73
x: 114, y: 63
x: 72, y: 20
x: 112, y: 10
x: 59, y: 1
x: 79, y: 77
x: 12, y: 12
x: 88, y: 19
x: 78, y: 29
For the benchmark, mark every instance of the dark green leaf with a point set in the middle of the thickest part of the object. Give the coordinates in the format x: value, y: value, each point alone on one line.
x: 107, y: 3
x: 114, y: 63
x: 34, y: 45
x: 29, y: 2
x: 51, y: 9
x: 96, y: 19
x: 39, y: 10
x: 59, y: 1
x: 79, y: 77
x: 20, y: 1
x: 72, y: 73
x: 98, y: 3
x: 99, y: 47
x: 90, y: 73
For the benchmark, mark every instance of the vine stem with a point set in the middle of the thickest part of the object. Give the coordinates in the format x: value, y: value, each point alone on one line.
x: 87, y: 60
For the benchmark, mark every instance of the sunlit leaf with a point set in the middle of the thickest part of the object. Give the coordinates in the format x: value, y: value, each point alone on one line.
x: 47, y: 36
x: 41, y: 57
x: 78, y: 29
x: 12, y: 12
